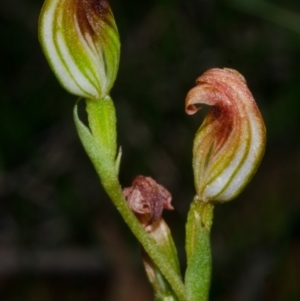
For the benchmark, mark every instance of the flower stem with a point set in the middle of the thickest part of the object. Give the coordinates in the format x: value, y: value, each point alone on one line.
x: 106, y: 169
x: 198, y: 273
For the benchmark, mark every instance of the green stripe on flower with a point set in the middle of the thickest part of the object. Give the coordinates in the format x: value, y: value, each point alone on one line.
x: 81, y: 42
x: 230, y: 143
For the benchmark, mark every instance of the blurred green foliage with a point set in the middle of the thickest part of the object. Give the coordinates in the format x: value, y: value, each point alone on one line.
x: 50, y: 197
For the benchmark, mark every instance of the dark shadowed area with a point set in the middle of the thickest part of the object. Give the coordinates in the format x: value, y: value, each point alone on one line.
x: 60, y: 236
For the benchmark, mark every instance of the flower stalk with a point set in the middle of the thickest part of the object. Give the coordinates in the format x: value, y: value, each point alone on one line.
x: 105, y: 168
x: 198, y: 251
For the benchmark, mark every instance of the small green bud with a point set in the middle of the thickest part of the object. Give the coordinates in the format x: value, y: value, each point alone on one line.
x: 81, y: 43
x: 230, y: 143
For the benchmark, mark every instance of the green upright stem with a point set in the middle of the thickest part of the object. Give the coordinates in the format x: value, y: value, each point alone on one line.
x: 199, y: 262
x: 107, y: 172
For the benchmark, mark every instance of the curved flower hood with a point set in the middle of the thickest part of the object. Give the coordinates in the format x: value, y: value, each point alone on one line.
x: 230, y: 143
x: 81, y: 42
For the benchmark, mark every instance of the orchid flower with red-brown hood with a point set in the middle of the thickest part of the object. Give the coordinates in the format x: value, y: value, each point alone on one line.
x: 230, y: 143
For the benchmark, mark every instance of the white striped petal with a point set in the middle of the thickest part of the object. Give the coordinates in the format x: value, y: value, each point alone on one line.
x: 81, y: 42
x: 230, y: 143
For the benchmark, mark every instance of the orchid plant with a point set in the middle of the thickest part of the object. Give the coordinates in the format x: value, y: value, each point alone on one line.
x: 81, y: 43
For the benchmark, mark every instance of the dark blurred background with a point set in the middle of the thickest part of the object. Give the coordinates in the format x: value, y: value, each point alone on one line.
x: 60, y: 236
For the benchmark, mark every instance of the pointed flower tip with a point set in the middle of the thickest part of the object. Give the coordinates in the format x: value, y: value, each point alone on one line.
x: 230, y: 143
x: 81, y: 43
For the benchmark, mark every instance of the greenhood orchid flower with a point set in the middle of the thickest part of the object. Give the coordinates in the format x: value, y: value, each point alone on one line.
x: 230, y: 143
x: 81, y: 43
